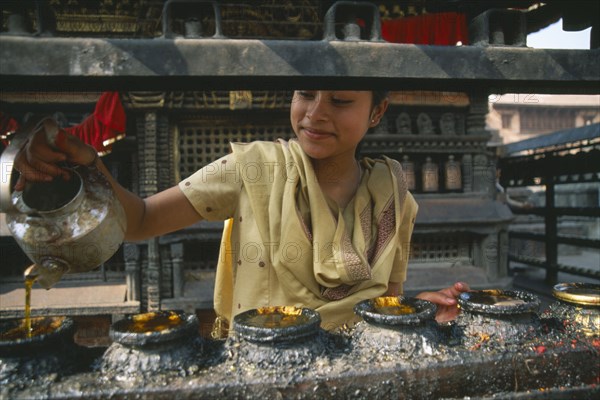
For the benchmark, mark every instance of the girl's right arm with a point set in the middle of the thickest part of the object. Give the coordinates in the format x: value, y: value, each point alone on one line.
x: 161, y: 213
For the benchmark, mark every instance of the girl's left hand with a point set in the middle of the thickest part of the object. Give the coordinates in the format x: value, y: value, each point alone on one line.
x: 445, y: 299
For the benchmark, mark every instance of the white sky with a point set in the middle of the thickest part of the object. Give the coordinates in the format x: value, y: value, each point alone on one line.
x: 553, y: 37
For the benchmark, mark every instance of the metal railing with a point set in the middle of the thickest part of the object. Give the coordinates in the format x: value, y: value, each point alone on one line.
x: 565, y: 157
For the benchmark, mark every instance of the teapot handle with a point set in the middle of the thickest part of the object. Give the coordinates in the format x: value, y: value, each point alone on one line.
x: 7, y: 158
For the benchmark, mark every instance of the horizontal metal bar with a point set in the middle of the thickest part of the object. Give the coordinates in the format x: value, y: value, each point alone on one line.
x: 580, y: 242
x: 563, y: 137
x: 43, y: 63
x: 570, y: 240
x: 536, y: 262
x: 560, y: 211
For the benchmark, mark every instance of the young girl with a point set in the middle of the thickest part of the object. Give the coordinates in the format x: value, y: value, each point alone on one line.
x: 307, y: 224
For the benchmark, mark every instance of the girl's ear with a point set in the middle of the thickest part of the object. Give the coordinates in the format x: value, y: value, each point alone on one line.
x: 378, y: 112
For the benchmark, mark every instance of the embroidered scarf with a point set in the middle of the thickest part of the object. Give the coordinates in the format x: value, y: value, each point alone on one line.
x: 343, y: 248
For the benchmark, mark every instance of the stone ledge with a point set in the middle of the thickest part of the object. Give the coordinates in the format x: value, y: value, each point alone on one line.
x: 67, y: 298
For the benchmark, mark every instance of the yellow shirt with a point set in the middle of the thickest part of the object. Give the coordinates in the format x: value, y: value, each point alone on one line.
x: 285, y: 244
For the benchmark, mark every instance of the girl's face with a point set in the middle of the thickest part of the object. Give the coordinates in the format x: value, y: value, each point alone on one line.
x: 329, y: 124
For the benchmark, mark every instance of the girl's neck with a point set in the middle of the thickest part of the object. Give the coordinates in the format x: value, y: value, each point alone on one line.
x: 338, y: 178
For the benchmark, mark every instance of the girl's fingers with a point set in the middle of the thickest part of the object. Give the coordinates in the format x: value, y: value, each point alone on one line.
x: 20, y: 185
x: 439, y: 298
x: 456, y: 289
x: 39, y: 171
x: 78, y: 152
x: 44, y: 153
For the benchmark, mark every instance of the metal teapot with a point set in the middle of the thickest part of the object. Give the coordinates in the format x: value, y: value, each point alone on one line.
x: 64, y: 226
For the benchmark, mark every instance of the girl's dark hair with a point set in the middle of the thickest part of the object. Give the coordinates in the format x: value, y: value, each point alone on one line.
x: 379, y: 95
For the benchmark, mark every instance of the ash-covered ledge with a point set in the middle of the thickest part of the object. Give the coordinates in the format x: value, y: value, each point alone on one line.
x: 43, y: 63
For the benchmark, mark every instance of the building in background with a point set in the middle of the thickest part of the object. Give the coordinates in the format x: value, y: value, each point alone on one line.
x: 515, y: 117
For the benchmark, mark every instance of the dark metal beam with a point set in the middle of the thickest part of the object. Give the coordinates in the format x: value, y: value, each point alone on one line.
x: 29, y: 63
x: 555, y: 139
x: 561, y: 211
x: 569, y: 269
x: 570, y: 240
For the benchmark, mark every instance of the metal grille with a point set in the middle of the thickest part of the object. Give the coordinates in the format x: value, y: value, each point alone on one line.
x: 210, y: 100
x: 297, y: 19
x: 273, y: 19
x: 202, y: 141
x: 428, y: 248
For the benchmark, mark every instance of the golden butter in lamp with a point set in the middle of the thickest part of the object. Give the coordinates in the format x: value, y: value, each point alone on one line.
x: 276, y: 324
x: 278, y: 317
x: 391, y: 305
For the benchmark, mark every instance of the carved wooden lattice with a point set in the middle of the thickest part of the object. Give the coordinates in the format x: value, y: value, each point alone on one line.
x: 209, y: 100
x: 288, y: 19
x: 205, y: 140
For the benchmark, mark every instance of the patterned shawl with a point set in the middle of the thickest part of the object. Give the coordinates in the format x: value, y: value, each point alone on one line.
x: 355, y: 251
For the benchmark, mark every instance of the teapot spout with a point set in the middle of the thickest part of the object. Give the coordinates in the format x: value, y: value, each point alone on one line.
x: 47, y: 273
x: 32, y: 272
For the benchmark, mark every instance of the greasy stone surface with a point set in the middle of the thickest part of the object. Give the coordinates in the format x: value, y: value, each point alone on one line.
x: 554, y: 363
x: 473, y: 329
x: 47, y: 355
x: 181, y: 356
x: 297, y: 356
x: 576, y: 319
x: 339, y: 373
x: 380, y: 343
x: 403, y: 328
x: 496, y: 317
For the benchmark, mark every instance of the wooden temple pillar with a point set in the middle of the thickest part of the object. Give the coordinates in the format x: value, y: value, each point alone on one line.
x: 155, y: 167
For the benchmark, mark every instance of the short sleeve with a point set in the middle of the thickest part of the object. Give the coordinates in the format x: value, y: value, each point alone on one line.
x: 214, y: 190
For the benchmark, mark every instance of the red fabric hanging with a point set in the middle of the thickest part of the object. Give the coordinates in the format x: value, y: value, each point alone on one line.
x: 444, y: 29
x: 101, y: 129
x: 8, y: 126
x: 105, y: 126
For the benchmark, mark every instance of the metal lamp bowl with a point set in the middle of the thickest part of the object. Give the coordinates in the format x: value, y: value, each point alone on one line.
x: 245, y: 327
x: 478, y: 301
x: 581, y: 294
x: 425, y: 310
x: 65, y: 328
x: 122, y: 332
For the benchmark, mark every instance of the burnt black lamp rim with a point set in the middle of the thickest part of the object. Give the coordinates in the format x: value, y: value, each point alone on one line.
x: 531, y: 302
x: 65, y: 330
x: 259, y: 334
x: 188, y: 328
x: 425, y: 311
